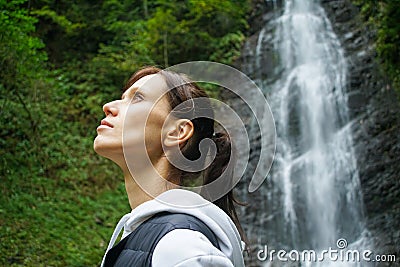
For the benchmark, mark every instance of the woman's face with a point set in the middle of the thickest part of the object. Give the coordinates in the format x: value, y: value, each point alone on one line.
x: 136, y: 118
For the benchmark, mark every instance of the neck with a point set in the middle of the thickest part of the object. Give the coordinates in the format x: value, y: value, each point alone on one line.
x: 145, y: 184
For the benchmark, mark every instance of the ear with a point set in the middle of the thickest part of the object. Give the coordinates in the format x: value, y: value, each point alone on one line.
x: 178, y: 132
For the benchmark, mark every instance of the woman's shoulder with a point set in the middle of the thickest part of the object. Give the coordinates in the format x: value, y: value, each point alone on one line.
x: 185, y: 247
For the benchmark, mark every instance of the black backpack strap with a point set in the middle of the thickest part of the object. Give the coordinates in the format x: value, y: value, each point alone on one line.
x: 137, y: 248
x: 185, y: 221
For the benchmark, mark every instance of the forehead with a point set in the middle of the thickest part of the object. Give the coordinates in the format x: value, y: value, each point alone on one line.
x: 151, y: 85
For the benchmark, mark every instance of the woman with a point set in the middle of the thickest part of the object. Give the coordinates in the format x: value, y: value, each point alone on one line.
x: 168, y: 226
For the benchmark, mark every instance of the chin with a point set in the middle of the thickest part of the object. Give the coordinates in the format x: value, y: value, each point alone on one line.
x: 97, y: 145
x: 108, y: 150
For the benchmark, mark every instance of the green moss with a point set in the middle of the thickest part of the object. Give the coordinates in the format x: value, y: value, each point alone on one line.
x: 384, y: 16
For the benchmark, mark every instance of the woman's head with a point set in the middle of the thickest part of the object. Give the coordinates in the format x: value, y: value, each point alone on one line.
x: 165, y: 110
x: 162, y: 109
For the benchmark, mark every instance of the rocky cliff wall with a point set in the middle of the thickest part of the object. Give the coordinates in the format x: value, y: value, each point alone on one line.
x: 375, y: 112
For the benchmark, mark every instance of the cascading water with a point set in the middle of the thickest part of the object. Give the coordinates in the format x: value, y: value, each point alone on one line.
x: 312, y: 197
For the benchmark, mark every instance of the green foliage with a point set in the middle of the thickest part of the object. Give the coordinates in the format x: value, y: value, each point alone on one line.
x: 175, y: 32
x: 196, y: 31
x: 61, y: 61
x: 21, y: 56
x: 228, y: 48
x: 62, y: 21
x: 384, y: 16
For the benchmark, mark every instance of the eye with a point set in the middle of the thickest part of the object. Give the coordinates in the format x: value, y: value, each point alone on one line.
x: 137, y: 97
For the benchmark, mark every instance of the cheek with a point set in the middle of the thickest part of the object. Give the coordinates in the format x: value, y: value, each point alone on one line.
x: 142, y: 132
x: 133, y: 126
x: 153, y: 131
x: 139, y: 126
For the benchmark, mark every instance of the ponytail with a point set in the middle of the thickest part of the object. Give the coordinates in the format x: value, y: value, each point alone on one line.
x: 221, y: 166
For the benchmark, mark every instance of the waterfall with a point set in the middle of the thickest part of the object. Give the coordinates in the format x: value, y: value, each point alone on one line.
x: 312, y: 197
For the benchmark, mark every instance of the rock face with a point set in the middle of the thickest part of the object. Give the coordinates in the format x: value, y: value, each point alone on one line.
x: 374, y: 108
x: 374, y: 111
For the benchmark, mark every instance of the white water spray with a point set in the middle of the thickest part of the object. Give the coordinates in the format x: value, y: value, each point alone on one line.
x: 315, y: 197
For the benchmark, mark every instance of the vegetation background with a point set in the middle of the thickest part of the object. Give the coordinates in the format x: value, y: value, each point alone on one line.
x: 60, y: 62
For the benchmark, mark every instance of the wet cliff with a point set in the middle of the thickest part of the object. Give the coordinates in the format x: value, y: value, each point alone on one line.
x: 372, y: 117
x: 374, y: 108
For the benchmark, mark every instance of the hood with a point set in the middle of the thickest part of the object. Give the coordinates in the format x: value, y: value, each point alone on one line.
x: 184, y: 201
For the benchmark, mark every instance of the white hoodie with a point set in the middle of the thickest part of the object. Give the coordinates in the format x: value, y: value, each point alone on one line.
x: 194, y: 249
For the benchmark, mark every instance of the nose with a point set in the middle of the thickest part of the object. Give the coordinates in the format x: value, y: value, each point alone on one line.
x: 110, y: 109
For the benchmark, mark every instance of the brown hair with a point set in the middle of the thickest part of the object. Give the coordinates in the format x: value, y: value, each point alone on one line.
x: 182, y: 91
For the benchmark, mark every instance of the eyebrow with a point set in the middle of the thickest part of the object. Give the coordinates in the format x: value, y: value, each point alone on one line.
x: 131, y: 92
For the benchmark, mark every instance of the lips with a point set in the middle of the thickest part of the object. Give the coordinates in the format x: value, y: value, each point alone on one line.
x: 106, y: 123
